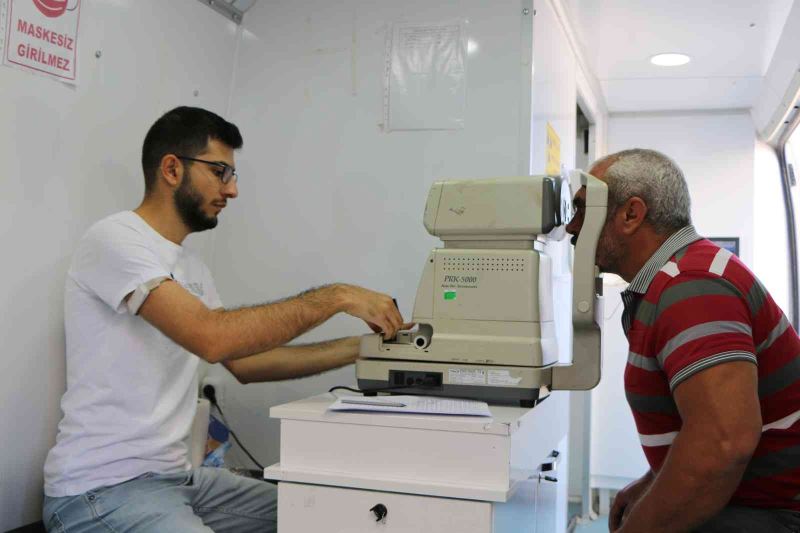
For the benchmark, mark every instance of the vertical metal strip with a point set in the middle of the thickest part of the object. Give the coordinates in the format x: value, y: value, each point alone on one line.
x: 232, y: 83
x: 212, y: 237
x: 587, y: 513
x: 354, y: 54
x: 525, y: 87
x: 791, y: 223
x: 387, y: 75
x: 3, y: 24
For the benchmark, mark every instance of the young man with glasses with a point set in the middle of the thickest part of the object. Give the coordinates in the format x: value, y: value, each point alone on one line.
x: 140, y: 313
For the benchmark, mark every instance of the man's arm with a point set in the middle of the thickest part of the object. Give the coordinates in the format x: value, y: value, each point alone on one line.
x: 218, y: 336
x: 721, y: 429
x: 289, y: 362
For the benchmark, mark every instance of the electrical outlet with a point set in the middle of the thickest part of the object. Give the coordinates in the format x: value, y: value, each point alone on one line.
x: 215, y: 382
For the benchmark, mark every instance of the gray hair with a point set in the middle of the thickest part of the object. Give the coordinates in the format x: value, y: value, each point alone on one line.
x: 656, y: 179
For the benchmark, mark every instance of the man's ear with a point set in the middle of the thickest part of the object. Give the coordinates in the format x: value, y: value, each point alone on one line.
x: 632, y: 215
x: 171, y: 170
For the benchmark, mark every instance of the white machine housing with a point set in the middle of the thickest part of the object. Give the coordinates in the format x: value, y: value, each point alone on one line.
x: 484, y: 306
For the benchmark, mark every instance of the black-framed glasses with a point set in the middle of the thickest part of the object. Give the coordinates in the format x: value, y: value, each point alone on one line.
x: 228, y: 172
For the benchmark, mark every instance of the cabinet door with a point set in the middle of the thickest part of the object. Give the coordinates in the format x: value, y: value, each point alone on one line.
x: 304, y: 508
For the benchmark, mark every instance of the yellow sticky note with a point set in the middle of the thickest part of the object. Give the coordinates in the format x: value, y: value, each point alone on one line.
x: 553, y: 167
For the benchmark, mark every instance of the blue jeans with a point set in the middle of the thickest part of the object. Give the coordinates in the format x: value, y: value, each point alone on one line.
x: 203, y: 499
x: 735, y: 519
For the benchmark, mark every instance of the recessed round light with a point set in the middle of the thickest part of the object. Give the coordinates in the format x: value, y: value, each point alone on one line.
x: 670, y: 60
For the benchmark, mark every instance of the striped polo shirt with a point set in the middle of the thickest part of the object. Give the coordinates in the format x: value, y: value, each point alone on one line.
x: 695, y: 305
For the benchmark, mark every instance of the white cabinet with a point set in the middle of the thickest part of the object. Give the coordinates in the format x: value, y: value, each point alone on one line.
x: 430, y: 473
x: 331, y: 509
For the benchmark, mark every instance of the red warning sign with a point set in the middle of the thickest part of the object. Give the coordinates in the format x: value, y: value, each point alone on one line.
x: 42, y: 35
x: 51, y: 8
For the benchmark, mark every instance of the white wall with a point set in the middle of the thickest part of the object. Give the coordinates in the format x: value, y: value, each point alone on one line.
x: 554, y: 93
x: 615, y: 453
x: 580, y: 86
x: 715, y: 151
x: 325, y: 194
x: 554, y: 103
x: 71, y: 156
x: 555, y: 97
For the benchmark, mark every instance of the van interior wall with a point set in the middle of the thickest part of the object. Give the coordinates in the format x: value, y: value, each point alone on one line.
x: 715, y: 150
x: 71, y: 155
x: 556, y: 76
x: 326, y: 194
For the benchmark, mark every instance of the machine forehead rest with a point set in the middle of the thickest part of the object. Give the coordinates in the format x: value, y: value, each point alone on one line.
x: 596, y: 190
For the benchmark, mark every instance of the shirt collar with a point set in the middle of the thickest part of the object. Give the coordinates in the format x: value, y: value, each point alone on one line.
x: 678, y: 240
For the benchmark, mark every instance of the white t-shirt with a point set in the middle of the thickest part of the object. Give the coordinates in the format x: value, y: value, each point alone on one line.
x: 131, y: 391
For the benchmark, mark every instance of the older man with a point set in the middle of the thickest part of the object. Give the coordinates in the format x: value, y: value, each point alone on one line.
x: 713, y: 373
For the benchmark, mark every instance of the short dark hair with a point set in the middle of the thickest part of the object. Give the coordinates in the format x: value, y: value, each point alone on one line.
x: 183, y: 131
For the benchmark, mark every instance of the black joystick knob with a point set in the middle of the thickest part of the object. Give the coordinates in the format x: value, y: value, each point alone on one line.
x: 380, y: 511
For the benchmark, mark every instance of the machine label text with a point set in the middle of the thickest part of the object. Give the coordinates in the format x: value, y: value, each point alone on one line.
x: 460, y: 281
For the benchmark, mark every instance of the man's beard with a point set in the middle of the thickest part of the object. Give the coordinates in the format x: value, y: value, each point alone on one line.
x: 189, y: 204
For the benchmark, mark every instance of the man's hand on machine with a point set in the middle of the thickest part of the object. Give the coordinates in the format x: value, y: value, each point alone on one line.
x: 378, y: 310
x: 404, y: 327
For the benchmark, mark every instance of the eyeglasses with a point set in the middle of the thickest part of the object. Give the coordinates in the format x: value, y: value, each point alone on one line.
x: 227, y: 173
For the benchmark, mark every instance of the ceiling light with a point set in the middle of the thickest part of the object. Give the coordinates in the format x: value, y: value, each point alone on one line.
x: 670, y: 60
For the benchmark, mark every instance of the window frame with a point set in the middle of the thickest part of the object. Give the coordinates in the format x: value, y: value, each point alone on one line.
x: 792, y: 128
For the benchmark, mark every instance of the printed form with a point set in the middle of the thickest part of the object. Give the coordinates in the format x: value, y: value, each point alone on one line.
x: 412, y: 404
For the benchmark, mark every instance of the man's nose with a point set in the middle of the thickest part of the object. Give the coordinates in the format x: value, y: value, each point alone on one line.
x: 231, y: 189
x: 573, y: 228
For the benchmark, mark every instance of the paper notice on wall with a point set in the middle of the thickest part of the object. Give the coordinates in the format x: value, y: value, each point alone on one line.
x: 426, y: 77
x: 42, y: 36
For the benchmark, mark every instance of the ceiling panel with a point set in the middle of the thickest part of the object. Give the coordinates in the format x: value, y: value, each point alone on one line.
x: 730, y: 42
x: 661, y: 94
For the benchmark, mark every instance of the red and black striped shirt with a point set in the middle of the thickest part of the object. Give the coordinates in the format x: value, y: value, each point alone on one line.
x: 695, y: 305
